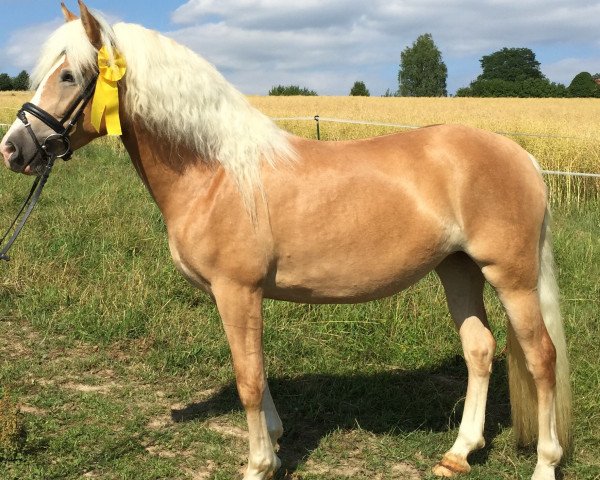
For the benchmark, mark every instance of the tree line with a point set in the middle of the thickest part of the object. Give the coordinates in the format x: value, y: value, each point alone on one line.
x: 20, y: 82
x: 509, y: 72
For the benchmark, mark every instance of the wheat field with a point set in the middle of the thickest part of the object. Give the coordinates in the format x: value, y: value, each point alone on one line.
x: 561, y: 133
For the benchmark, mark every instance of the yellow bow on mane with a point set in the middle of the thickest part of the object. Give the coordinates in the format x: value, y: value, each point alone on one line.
x: 106, y: 96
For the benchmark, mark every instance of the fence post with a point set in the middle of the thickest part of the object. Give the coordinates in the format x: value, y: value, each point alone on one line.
x: 318, y: 129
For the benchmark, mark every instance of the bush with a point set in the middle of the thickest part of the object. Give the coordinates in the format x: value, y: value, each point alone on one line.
x: 289, y: 90
x: 583, y: 85
x: 530, y: 87
x: 359, y: 89
x: 21, y: 81
x: 5, y: 82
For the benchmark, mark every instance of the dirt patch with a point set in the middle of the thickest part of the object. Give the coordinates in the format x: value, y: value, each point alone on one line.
x: 405, y: 471
x: 160, y: 452
x: 348, y: 467
x: 81, y: 387
x: 24, y: 408
x: 159, y: 422
x: 227, y: 429
x: 354, y: 467
x: 17, y: 338
x: 204, y: 473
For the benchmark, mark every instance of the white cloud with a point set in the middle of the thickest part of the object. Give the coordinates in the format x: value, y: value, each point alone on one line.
x: 24, y: 45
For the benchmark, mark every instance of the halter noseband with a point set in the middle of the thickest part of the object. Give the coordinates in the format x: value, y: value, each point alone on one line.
x: 62, y: 132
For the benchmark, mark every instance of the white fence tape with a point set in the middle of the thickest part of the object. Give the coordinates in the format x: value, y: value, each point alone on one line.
x: 571, y: 174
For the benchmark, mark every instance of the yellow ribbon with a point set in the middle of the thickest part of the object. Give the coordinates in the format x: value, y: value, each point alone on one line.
x: 106, y: 96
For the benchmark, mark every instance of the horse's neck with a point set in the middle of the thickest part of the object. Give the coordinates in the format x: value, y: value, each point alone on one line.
x: 174, y: 176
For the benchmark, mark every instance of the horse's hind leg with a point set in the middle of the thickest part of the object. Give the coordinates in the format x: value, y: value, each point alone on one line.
x: 463, y: 283
x: 523, y: 308
x: 240, y: 310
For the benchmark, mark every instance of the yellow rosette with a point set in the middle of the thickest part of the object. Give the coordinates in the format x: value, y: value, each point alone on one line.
x: 106, y: 96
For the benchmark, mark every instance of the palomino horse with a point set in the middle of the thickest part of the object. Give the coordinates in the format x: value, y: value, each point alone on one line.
x: 253, y: 212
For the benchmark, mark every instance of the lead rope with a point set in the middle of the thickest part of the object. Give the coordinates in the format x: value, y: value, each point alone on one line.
x: 28, y: 204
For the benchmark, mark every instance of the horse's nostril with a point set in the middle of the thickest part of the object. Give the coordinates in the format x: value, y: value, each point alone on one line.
x: 10, y: 152
x: 7, y: 149
x: 11, y: 148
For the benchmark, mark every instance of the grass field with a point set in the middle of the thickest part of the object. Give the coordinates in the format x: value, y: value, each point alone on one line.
x: 122, y: 371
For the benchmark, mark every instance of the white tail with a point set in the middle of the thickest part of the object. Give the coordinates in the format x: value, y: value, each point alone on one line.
x: 523, y: 397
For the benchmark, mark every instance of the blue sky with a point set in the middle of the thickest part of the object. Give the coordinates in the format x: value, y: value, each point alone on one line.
x: 327, y: 46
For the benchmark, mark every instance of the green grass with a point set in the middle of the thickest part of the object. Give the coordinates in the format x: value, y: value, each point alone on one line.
x: 123, y: 371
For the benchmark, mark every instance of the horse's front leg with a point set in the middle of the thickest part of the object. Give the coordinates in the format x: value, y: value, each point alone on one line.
x: 240, y: 308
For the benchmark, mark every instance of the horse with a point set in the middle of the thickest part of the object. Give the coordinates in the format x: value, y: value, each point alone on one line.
x: 253, y: 212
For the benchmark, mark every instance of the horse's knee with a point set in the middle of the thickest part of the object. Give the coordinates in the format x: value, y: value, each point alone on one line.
x: 541, y: 360
x: 479, y: 347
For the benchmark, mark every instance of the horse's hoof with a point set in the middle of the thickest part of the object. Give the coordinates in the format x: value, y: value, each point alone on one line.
x: 451, y: 465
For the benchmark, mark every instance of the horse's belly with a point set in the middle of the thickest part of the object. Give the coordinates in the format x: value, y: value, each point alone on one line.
x: 334, y: 289
x: 358, y: 266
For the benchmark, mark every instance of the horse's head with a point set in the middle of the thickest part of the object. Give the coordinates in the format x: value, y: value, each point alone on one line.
x: 57, y: 120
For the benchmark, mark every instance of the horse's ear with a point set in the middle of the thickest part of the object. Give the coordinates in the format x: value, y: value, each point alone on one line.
x: 69, y: 16
x: 91, y: 25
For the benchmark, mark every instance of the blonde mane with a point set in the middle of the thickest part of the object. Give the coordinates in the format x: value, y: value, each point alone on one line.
x: 180, y: 97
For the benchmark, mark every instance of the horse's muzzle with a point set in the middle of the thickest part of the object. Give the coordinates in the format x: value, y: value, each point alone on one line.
x: 19, y: 154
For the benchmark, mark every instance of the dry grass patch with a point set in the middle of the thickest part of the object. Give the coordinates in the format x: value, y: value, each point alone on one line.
x: 12, y: 428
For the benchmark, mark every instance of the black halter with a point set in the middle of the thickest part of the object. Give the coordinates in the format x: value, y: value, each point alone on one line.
x: 60, y: 137
x: 56, y: 145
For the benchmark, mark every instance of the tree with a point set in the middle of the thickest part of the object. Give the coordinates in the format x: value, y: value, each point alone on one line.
x: 512, y: 72
x: 5, y: 82
x: 359, y: 89
x: 583, y: 85
x: 21, y: 81
x: 289, y: 90
x: 422, y: 71
x: 510, y: 64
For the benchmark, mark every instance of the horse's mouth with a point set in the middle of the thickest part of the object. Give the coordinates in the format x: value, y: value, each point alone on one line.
x: 28, y: 170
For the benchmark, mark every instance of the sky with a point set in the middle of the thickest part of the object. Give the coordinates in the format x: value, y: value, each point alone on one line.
x: 327, y: 45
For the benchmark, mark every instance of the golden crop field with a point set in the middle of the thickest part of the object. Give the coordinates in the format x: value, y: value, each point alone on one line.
x: 567, y: 129
x: 10, y: 103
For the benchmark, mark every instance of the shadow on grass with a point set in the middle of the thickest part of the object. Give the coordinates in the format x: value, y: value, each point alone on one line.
x: 391, y: 402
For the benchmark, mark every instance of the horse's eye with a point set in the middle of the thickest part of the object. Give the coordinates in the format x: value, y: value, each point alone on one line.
x: 67, y: 77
